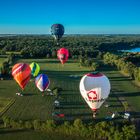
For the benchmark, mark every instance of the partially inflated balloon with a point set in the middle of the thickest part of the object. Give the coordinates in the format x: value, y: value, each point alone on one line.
x: 35, y: 68
x: 42, y: 82
x: 22, y: 74
x: 95, y: 88
x: 63, y: 55
x: 57, y: 30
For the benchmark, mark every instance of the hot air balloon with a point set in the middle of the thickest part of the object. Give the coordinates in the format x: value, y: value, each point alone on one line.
x: 22, y: 74
x: 35, y: 68
x: 42, y: 82
x: 63, y: 55
x: 94, y: 88
x: 57, y: 30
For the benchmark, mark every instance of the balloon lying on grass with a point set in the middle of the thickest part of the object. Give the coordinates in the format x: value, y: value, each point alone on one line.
x: 57, y: 30
x: 22, y: 74
x: 35, y: 68
x: 94, y: 88
x: 42, y: 82
x: 63, y: 55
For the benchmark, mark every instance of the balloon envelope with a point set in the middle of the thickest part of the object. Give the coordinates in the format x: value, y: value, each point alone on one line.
x: 57, y: 30
x: 35, y: 68
x: 42, y: 82
x: 22, y: 74
x: 63, y: 55
x: 94, y: 88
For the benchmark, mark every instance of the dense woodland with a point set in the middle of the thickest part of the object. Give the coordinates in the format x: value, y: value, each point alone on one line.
x: 45, y: 46
x: 102, y: 130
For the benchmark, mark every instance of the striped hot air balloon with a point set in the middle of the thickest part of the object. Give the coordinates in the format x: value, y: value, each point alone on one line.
x: 22, y: 74
x: 35, y: 68
x: 42, y: 82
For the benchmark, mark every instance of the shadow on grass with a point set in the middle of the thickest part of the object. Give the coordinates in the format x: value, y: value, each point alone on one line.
x: 79, y: 114
x: 72, y: 103
x: 6, y: 131
x: 55, y: 61
x: 70, y: 94
x: 115, y: 106
x: 106, y: 68
x: 120, y: 78
x: 73, y: 107
x: 135, y: 114
x: 111, y: 100
x: 126, y: 94
x: 29, y: 94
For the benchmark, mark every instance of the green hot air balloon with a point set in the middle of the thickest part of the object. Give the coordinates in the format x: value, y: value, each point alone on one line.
x: 35, y: 68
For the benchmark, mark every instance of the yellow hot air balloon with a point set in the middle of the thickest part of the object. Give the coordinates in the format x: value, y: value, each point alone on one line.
x: 35, y: 68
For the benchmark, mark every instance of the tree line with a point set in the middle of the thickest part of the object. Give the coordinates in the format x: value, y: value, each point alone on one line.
x: 123, y: 65
x: 5, y: 69
x: 86, y: 45
x: 101, y: 130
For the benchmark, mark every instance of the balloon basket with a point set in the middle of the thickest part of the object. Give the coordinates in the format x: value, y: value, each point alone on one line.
x: 94, y: 114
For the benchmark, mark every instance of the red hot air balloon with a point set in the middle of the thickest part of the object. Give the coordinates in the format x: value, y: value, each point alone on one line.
x: 22, y: 74
x: 63, y: 55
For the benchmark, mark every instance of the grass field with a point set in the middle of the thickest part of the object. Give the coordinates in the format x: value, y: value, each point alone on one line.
x: 33, y: 106
x: 123, y: 87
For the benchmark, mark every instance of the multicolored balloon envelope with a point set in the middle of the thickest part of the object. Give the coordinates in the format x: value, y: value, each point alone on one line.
x: 57, y: 30
x: 42, y: 82
x: 22, y: 74
x: 35, y: 68
x: 63, y: 55
x: 95, y: 88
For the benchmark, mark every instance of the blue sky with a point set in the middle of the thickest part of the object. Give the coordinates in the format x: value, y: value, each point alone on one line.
x: 78, y: 16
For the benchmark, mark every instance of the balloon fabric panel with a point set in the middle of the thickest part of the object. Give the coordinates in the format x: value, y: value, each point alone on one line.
x: 42, y: 82
x: 21, y: 73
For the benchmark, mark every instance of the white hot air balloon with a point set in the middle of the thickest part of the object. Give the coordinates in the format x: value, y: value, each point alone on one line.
x: 95, y: 88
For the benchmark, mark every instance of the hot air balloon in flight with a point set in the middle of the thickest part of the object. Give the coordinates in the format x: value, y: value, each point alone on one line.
x: 63, y: 55
x: 35, y: 68
x: 22, y: 74
x: 42, y: 82
x: 95, y: 88
x: 57, y: 30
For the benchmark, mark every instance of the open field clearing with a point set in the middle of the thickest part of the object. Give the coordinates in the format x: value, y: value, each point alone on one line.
x: 33, y: 106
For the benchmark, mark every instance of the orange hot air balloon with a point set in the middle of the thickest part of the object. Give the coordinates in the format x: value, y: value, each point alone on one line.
x: 22, y: 74
x: 63, y: 55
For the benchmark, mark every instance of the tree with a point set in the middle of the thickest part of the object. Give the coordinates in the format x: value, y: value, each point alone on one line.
x: 36, y: 124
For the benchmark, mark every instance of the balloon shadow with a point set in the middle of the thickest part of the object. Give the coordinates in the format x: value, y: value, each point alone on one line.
x: 29, y: 94
x: 5, y: 131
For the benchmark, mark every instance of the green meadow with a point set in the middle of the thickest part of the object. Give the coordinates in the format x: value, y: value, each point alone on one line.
x: 34, y: 106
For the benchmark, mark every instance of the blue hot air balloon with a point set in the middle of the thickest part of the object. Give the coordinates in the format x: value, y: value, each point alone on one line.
x: 42, y: 82
x: 57, y: 30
